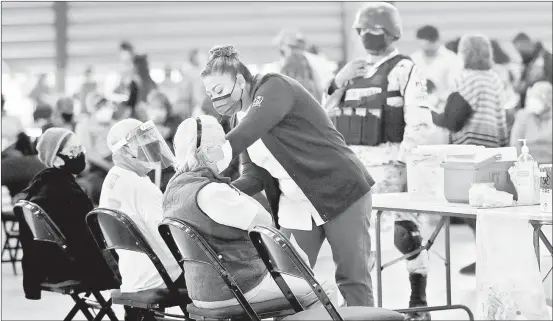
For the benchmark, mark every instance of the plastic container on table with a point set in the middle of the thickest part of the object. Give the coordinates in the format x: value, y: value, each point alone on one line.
x: 489, y: 167
x: 425, y: 176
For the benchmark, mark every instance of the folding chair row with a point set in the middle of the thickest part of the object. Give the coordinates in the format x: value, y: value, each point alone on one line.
x: 114, y: 230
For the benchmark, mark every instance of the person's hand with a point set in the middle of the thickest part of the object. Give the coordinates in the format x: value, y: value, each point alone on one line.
x: 353, y: 69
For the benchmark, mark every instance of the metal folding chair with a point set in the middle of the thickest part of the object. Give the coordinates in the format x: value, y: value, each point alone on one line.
x: 113, y: 230
x: 12, y: 244
x: 187, y: 244
x: 280, y: 257
x: 45, y: 230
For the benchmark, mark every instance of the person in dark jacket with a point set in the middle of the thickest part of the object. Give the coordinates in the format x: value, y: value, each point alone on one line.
x: 20, y: 164
x: 58, y: 194
x: 321, y: 189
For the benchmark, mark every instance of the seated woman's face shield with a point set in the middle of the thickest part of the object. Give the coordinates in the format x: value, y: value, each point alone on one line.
x: 149, y: 144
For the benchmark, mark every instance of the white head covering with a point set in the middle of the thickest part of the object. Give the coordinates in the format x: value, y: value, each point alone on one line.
x: 120, y: 130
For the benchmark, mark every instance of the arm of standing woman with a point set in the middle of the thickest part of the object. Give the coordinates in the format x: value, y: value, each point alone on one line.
x: 249, y: 181
x: 272, y: 102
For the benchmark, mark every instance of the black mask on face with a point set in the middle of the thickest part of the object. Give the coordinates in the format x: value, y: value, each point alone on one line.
x: 74, y: 165
x: 67, y: 117
x: 374, y: 42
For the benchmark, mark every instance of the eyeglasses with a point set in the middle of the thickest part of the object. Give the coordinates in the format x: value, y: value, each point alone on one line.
x: 74, y: 151
x: 198, y: 132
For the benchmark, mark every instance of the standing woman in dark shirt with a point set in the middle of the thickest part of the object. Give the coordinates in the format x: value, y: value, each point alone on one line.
x: 320, y: 188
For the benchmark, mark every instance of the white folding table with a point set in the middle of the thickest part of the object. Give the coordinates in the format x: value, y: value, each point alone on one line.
x: 413, y: 203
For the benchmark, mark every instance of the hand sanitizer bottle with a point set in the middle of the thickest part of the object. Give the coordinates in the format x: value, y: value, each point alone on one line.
x: 525, y: 176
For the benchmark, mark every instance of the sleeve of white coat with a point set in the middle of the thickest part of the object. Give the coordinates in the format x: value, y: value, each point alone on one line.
x: 227, y: 206
x: 416, y: 107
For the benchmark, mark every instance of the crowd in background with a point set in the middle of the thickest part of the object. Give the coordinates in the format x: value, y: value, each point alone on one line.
x: 478, y: 93
x: 90, y: 112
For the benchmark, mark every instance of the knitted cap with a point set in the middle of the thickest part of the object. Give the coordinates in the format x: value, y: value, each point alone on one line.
x: 49, y: 144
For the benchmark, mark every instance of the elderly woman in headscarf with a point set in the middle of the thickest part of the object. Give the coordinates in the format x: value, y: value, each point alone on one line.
x: 533, y: 123
x: 56, y: 191
x: 223, y: 215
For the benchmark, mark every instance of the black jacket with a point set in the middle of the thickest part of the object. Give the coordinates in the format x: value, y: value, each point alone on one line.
x: 59, y: 195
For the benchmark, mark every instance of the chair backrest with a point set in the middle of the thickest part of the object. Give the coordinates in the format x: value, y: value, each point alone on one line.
x: 280, y: 257
x: 113, y: 230
x: 186, y: 244
x: 41, y: 225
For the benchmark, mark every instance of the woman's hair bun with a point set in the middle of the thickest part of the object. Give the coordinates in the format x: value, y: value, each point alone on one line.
x: 223, y: 51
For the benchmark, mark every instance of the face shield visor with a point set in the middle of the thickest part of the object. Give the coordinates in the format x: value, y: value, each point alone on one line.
x: 149, y: 144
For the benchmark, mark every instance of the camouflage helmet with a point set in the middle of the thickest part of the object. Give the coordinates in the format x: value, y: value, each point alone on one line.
x: 379, y: 15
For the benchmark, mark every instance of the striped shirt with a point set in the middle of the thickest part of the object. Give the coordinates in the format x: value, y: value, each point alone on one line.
x: 474, y: 112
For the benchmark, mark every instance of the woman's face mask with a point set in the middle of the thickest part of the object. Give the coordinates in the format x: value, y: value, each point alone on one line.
x: 67, y: 117
x: 227, y: 104
x: 75, y: 165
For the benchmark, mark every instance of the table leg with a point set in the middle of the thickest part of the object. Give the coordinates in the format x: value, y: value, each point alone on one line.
x: 378, y: 261
x: 448, y: 259
x: 536, y: 237
x: 545, y: 241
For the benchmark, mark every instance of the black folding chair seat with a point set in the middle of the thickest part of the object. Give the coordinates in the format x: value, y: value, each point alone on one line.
x: 69, y: 287
x: 45, y: 230
x: 148, y: 299
x: 65, y: 287
x: 267, y: 309
x: 348, y: 314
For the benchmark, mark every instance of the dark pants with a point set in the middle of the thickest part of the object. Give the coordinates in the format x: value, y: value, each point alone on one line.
x: 348, y: 236
x: 137, y: 314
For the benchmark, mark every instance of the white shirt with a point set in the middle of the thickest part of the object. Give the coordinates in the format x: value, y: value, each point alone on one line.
x: 244, y: 208
x: 141, y: 200
x: 411, y: 83
x: 295, y: 209
x: 441, y: 69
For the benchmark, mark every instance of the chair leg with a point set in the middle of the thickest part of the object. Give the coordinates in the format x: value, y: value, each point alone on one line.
x: 81, y: 305
x: 106, y: 307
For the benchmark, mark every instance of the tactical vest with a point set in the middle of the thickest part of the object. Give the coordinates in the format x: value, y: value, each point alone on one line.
x: 365, y: 118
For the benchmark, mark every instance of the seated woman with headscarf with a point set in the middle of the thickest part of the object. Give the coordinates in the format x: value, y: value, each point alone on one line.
x: 56, y: 191
x: 198, y: 195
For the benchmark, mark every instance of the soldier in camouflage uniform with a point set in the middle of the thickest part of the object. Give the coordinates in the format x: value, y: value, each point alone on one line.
x: 383, y: 114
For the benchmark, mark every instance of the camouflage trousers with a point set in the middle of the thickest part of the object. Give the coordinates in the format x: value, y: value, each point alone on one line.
x: 390, y: 177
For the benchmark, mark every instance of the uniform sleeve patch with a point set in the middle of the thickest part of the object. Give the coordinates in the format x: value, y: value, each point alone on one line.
x: 257, y: 101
